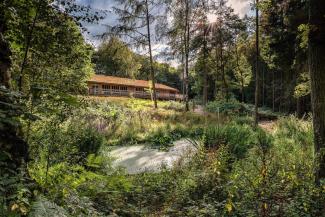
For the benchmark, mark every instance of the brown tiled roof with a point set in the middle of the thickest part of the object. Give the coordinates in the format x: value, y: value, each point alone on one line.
x: 127, y: 82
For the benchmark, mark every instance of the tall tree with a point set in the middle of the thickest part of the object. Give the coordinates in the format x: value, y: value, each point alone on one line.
x: 225, y: 29
x: 135, y: 21
x: 114, y: 57
x: 317, y: 74
x: 257, y: 63
x: 243, y: 70
x: 187, y: 29
x: 178, y: 37
x: 201, y: 42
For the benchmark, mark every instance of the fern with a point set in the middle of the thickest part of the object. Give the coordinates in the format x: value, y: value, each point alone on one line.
x: 45, y: 208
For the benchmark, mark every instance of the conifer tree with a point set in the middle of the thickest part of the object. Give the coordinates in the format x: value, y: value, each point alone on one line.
x: 135, y: 20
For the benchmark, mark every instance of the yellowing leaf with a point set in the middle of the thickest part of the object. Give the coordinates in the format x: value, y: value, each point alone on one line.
x: 228, y: 207
x: 265, y: 205
x: 14, y: 207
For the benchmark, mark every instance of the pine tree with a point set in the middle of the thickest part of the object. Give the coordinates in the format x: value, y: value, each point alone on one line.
x: 257, y: 63
x: 135, y: 22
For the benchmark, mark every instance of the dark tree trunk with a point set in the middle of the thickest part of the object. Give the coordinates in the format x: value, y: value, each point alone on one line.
x: 5, y: 61
x: 152, y: 72
x: 183, y: 72
x: 263, y: 86
x: 257, y: 66
x: 299, y: 107
x: 317, y: 74
x: 187, y: 50
x: 10, y: 142
x: 281, y: 93
x: 205, y: 71
x: 273, y: 91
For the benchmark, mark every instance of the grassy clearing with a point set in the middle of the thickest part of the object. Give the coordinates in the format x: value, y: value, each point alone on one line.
x: 238, y: 171
x: 136, y: 122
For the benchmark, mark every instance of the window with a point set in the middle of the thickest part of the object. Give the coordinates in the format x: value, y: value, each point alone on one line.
x: 123, y: 88
x: 106, y: 89
x: 140, y: 89
x: 115, y: 88
x: 95, y: 89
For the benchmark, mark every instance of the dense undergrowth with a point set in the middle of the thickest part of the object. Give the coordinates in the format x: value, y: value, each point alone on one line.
x: 237, y: 171
x: 233, y: 107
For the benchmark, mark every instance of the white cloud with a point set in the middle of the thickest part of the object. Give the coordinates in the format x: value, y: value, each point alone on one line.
x: 241, y: 7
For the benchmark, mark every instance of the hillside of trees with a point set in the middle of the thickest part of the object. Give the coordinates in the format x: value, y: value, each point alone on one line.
x: 253, y: 112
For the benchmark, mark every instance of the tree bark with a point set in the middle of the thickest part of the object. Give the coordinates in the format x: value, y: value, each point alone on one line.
x: 205, y: 71
x: 152, y: 72
x: 257, y: 66
x: 183, y: 71
x: 241, y: 76
x: 263, y: 86
x: 273, y: 91
x: 316, y: 56
x: 5, y: 61
x: 187, y: 40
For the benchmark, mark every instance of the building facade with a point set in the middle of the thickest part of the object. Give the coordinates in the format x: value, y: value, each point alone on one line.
x: 102, y: 85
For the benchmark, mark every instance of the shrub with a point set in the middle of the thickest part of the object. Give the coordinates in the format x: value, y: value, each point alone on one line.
x: 276, y: 178
x: 165, y: 136
x: 89, y: 141
x: 239, y: 138
x: 241, y: 120
x: 231, y: 107
x: 173, y: 105
x: 160, y: 139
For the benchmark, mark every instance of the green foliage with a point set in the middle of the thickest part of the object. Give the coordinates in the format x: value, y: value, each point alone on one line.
x: 163, y: 138
x: 56, y: 141
x: 15, y: 185
x: 45, y: 208
x: 88, y: 141
x: 173, y: 105
x: 303, y: 87
x: 238, y: 171
x: 238, y: 138
x: 115, y: 58
x: 243, y: 72
x: 303, y: 31
x: 229, y: 107
x: 281, y: 167
x: 73, y: 187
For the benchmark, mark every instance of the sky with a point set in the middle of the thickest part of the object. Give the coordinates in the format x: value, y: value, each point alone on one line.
x: 241, y: 7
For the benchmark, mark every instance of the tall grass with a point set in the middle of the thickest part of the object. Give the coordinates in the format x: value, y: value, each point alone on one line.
x: 237, y: 171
